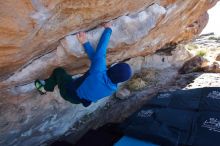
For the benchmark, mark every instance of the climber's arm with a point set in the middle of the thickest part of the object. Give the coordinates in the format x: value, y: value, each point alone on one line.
x: 86, y: 44
x: 89, y: 50
x: 103, y: 43
x: 99, y: 59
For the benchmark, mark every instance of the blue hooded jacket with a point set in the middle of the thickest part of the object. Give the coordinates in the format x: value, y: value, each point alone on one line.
x: 97, y: 84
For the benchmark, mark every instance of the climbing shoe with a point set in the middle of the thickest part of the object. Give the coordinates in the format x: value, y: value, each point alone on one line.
x: 40, y: 87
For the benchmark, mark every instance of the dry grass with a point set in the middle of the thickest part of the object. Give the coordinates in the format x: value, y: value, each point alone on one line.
x: 191, y: 47
x: 201, y: 53
x: 143, y: 79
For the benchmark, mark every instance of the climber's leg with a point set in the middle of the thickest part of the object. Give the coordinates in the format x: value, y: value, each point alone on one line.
x: 75, y: 85
x: 61, y: 78
x: 58, y: 75
x: 69, y: 87
x: 80, y: 80
x: 66, y: 91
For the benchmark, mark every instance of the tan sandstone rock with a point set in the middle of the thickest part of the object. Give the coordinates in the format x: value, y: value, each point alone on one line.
x: 37, y: 36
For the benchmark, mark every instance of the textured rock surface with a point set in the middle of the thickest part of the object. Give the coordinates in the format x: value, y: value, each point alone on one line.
x: 37, y: 36
x: 206, y: 48
x: 195, y: 64
x: 218, y: 57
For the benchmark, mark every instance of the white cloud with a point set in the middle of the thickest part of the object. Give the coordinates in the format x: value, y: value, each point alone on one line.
x: 214, y: 20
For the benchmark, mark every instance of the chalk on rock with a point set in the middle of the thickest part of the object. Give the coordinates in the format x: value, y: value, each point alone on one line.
x: 72, y: 46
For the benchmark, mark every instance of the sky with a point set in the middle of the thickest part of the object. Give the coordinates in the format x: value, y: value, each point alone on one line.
x: 214, y: 20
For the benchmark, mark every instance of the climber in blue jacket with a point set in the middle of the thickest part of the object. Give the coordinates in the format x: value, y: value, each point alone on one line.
x: 97, y: 83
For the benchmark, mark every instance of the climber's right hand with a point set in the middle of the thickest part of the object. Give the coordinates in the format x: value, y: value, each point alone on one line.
x: 81, y: 36
x: 107, y: 24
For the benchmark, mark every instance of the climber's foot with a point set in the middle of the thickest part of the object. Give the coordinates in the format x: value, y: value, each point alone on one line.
x: 40, y: 87
x: 82, y: 37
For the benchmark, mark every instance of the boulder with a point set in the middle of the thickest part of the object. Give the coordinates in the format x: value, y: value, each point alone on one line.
x: 218, y: 57
x: 39, y: 35
x: 123, y: 93
x: 213, y: 68
x: 195, y: 64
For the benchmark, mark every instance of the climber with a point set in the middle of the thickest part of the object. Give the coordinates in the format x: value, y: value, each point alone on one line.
x: 97, y: 83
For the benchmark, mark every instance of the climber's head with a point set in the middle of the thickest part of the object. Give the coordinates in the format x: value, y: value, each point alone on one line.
x: 120, y: 72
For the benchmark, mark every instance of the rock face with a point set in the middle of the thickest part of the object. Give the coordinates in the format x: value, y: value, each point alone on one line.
x: 37, y: 36
x: 195, y: 64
